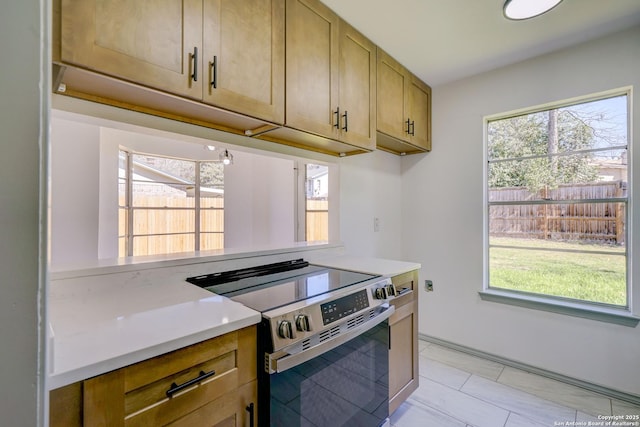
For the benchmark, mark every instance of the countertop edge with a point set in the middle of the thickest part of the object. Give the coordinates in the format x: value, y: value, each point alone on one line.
x: 57, y: 380
x: 369, y: 265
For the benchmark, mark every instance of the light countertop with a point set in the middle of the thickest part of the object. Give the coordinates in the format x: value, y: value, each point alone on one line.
x: 94, y: 330
x: 380, y: 266
x: 105, y: 321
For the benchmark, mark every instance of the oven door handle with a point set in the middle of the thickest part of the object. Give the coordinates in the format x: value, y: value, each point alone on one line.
x: 292, y: 360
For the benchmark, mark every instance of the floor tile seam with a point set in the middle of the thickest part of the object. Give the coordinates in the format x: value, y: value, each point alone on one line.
x: 444, y: 384
x: 585, y: 391
x: 413, y: 396
x: 435, y: 380
x: 586, y: 411
x: 424, y: 404
x: 517, y: 412
x: 461, y: 369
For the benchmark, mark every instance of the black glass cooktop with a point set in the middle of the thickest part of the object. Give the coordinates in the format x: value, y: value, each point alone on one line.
x: 268, y: 288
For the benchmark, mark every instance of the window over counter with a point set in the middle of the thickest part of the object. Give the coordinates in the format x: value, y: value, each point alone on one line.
x: 169, y: 205
x: 557, y: 195
x: 316, y: 202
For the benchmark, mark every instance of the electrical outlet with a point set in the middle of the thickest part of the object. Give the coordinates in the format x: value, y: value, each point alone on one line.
x: 428, y: 285
x: 376, y: 224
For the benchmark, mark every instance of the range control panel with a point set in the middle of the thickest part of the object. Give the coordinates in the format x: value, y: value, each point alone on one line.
x: 342, y: 307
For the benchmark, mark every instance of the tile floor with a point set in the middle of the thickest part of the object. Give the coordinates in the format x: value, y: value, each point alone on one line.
x: 460, y: 390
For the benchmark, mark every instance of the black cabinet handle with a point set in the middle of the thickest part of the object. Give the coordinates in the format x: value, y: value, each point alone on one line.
x: 214, y: 72
x: 413, y: 128
x: 408, y: 131
x: 251, y: 412
x: 194, y: 56
x: 346, y: 121
x: 337, y: 113
x: 176, y: 388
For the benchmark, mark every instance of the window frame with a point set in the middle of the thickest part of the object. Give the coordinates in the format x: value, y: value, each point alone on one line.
x: 130, y: 207
x: 622, y: 315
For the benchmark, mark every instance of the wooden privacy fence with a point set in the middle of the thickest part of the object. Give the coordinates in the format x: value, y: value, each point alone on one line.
x: 166, y: 224
x: 602, y: 222
x: 317, y: 220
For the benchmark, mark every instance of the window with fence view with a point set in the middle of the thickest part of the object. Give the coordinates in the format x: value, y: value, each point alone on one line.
x: 557, y: 186
x: 169, y: 205
x: 317, y: 202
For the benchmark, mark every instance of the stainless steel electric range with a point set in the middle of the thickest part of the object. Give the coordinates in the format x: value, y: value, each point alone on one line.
x: 323, y: 343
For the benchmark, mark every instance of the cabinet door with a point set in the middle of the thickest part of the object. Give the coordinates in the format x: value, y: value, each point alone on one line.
x: 150, y: 42
x: 403, y: 332
x: 420, y: 113
x: 357, y: 101
x: 311, y: 64
x: 392, y: 84
x: 243, y: 44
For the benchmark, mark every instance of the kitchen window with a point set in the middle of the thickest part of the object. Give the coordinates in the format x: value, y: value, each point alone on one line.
x: 557, y: 196
x: 316, y: 202
x: 169, y: 205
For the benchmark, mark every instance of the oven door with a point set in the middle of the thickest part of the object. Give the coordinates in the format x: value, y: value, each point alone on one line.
x: 341, y: 382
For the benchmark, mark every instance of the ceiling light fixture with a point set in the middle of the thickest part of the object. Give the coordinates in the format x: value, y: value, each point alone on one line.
x: 210, y: 147
x: 525, y: 9
x: 226, y: 158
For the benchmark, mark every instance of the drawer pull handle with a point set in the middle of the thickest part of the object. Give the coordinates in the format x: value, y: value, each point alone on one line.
x: 176, y: 388
x: 250, y: 409
x: 214, y: 72
x: 194, y: 57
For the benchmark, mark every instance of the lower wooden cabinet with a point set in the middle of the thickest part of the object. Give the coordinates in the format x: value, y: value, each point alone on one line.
x: 403, y: 354
x: 211, y: 383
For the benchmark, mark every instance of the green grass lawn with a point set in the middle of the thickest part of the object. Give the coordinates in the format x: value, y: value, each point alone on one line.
x: 543, y: 267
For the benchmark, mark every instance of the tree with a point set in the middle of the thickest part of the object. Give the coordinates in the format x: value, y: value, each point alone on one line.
x: 527, y: 151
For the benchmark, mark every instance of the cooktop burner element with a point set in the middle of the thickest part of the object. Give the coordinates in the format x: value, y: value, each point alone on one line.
x: 267, y: 292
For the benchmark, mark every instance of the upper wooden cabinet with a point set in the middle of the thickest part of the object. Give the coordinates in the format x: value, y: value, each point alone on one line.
x: 141, y: 41
x: 330, y: 76
x: 404, y: 108
x: 244, y: 56
x: 228, y: 53
x: 222, y: 64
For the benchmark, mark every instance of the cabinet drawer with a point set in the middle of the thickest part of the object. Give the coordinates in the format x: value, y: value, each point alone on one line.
x: 136, y: 395
x: 149, y: 405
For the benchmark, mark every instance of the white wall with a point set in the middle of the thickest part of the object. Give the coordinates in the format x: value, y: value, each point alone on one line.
x: 75, y: 188
x: 443, y: 216
x: 259, y: 190
x: 258, y: 201
x: 371, y: 187
x: 24, y: 89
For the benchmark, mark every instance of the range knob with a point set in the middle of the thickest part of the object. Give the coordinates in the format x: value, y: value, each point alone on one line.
x: 302, y: 323
x: 391, y: 290
x: 285, y: 330
x: 380, y: 293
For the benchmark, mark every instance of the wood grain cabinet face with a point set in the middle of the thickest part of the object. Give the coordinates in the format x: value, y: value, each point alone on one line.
x: 403, y: 353
x: 311, y: 87
x: 244, y: 56
x: 392, y: 80
x: 419, y: 112
x: 136, y: 395
x: 228, y: 53
x: 330, y: 71
x: 404, y: 108
x: 357, y: 88
x: 148, y: 42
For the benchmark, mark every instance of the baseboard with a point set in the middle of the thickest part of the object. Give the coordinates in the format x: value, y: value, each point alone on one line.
x: 609, y: 392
